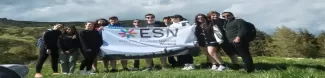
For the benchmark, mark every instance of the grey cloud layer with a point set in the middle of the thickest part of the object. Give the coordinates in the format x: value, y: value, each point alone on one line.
x: 266, y: 14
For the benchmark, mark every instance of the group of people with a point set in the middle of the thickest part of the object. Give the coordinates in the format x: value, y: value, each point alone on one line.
x: 212, y: 33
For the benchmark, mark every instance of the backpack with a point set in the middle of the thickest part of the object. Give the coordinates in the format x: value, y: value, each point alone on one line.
x: 40, y: 41
x: 251, y: 31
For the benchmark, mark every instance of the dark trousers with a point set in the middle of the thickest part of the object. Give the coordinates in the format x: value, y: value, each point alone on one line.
x: 181, y: 60
x: 228, y: 48
x: 43, y: 56
x: 243, y: 50
x: 185, y: 59
x: 136, y: 63
x: 172, y: 61
x: 89, y: 58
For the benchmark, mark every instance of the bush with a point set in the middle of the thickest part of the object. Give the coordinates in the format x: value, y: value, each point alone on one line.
x: 17, y: 49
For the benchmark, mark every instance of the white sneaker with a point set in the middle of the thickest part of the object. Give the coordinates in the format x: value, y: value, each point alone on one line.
x: 214, y: 67
x: 82, y: 72
x: 190, y: 67
x: 221, y: 68
x: 90, y: 72
x: 65, y: 73
x: 185, y: 67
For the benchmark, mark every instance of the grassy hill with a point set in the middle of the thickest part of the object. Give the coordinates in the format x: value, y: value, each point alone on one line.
x: 266, y: 67
x: 18, y: 38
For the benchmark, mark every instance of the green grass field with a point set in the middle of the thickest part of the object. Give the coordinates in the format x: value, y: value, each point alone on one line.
x: 267, y: 67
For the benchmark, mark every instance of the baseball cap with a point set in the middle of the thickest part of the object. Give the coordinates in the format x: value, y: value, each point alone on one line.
x: 176, y: 16
x: 113, y: 17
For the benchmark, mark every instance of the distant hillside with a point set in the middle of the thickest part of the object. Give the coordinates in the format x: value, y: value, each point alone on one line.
x: 18, y: 38
x: 4, y: 22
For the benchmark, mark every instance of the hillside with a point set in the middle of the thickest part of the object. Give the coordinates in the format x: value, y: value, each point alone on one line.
x: 18, y: 38
x: 4, y: 22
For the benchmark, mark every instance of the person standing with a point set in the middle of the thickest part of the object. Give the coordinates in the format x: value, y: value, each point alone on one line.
x: 99, y: 25
x: 183, y: 59
x: 136, y: 23
x: 113, y: 22
x: 151, y: 22
x: 49, y: 47
x: 167, y: 21
x: 236, y: 33
x: 91, y: 42
x: 226, y: 46
x: 136, y: 64
x: 209, y: 38
x: 69, y: 44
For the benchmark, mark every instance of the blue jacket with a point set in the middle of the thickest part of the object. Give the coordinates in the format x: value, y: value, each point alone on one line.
x: 117, y: 25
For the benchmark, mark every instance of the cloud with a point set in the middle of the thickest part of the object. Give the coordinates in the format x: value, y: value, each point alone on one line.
x: 265, y: 14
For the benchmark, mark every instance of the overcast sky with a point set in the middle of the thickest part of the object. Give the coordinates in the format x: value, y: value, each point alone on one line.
x: 265, y: 14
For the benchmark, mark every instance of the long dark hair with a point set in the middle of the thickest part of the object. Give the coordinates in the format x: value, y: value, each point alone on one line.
x: 207, y: 26
x: 96, y: 25
x: 203, y: 16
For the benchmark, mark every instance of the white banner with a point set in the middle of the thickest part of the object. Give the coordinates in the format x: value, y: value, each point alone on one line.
x: 135, y: 43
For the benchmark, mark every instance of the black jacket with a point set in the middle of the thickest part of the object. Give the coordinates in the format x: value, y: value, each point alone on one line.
x: 156, y: 24
x: 220, y: 23
x: 51, y: 38
x: 67, y: 43
x: 90, y: 39
x: 234, y: 28
x: 204, y: 34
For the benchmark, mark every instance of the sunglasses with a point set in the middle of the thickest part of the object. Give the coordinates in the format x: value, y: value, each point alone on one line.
x: 226, y: 15
x: 136, y: 22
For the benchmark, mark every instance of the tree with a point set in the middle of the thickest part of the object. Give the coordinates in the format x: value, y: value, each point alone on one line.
x: 321, y: 44
x: 284, y: 43
x: 307, y: 44
x: 259, y: 45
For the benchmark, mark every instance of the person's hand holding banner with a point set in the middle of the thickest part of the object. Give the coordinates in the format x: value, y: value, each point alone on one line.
x: 135, y: 43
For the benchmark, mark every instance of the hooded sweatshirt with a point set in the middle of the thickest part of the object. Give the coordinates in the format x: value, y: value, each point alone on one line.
x: 90, y: 39
x: 181, y: 24
x: 68, y: 42
x: 50, y: 39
